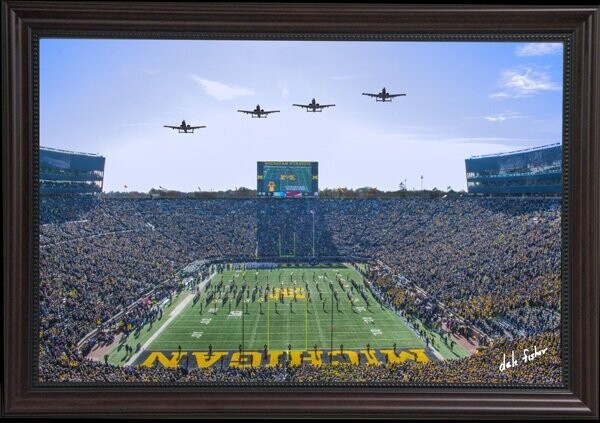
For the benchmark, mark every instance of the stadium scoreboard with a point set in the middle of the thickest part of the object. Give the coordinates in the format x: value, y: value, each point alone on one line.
x: 287, y: 179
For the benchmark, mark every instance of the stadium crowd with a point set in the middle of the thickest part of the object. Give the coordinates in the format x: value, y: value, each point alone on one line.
x: 483, y: 367
x: 480, y: 368
x: 492, y: 263
x: 495, y: 263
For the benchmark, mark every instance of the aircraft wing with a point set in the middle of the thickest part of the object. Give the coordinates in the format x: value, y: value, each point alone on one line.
x: 196, y: 127
x: 301, y: 105
x: 372, y: 95
x: 327, y: 105
x: 247, y: 112
x: 396, y: 95
x: 270, y: 111
x: 172, y: 127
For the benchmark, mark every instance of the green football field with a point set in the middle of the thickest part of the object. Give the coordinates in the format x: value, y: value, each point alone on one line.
x: 285, y: 309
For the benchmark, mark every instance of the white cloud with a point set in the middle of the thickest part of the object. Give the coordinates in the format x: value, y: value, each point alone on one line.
x: 495, y: 118
x: 524, y: 82
x: 219, y: 90
x: 501, y: 117
x: 499, y: 95
x: 538, y: 49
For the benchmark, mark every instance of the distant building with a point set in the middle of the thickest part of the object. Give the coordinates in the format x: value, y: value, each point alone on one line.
x: 69, y: 172
x: 535, y: 171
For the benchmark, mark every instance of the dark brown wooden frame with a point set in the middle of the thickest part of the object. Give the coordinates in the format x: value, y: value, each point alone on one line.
x: 23, y: 21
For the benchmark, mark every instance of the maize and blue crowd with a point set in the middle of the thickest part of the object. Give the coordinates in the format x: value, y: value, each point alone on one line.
x: 493, y: 264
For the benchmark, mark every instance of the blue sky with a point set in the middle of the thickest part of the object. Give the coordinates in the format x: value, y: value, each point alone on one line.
x: 112, y: 97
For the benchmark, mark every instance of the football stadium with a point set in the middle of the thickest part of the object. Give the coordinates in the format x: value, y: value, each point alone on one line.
x: 285, y: 285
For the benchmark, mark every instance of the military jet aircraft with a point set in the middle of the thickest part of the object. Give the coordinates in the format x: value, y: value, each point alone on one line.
x: 383, y: 95
x: 258, y: 112
x: 183, y: 128
x: 313, y: 106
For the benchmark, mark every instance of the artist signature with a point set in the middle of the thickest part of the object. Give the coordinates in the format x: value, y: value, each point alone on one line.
x: 528, y: 356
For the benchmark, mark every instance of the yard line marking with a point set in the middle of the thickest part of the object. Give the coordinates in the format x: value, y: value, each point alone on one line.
x: 287, y: 324
x: 317, y: 318
x: 253, y: 337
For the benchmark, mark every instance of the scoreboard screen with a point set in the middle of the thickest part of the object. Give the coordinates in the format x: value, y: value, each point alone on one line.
x: 287, y: 179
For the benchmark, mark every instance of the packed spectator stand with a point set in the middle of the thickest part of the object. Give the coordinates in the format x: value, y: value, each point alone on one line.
x: 490, y: 265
